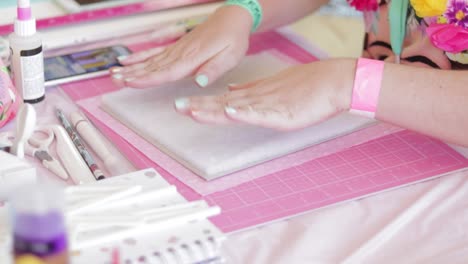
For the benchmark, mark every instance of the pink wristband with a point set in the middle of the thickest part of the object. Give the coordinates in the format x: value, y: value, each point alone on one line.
x: 366, y: 90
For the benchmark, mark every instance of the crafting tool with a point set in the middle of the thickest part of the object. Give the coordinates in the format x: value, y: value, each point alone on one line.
x: 80, y: 146
x: 92, y: 137
x: 93, y: 222
x: 107, y: 13
x: 114, y: 205
x: 39, y: 148
x: 152, y: 225
x: 124, y: 193
x: 25, y: 124
x: 70, y: 157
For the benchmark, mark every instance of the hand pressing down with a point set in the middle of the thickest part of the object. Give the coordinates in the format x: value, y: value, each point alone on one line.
x: 206, y: 53
x: 293, y: 99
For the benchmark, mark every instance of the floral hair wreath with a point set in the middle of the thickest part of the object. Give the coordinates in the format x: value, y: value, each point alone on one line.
x: 445, y: 22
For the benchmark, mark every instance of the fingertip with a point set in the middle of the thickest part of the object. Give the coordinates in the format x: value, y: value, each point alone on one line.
x: 202, y: 80
x: 197, y: 116
x: 209, y: 118
x: 242, y: 115
x: 232, y: 86
x: 182, y: 105
x: 215, y: 67
x: 123, y: 59
x: 230, y: 111
x: 117, y: 81
x: 134, y: 83
x: 115, y: 70
x: 233, y: 114
x: 117, y: 76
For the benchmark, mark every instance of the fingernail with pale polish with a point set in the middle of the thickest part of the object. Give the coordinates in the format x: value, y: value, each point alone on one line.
x: 129, y: 79
x: 230, y: 110
x: 202, y: 80
x: 117, y: 76
x: 122, y: 57
x: 182, y: 103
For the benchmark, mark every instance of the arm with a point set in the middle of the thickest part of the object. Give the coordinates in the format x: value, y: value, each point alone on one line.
x: 429, y: 101
x: 277, y: 13
x: 211, y: 49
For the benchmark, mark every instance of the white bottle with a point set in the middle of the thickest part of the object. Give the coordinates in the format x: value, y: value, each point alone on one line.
x: 27, y: 60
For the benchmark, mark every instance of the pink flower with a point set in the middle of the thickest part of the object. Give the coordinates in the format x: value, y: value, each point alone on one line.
x: 448, y: 37
x: 364, y: 5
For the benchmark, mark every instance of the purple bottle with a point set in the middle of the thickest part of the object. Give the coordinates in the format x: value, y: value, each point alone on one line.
x: 38, y: 224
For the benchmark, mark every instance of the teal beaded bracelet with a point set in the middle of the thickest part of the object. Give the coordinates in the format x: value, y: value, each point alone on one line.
x: 254, y: 8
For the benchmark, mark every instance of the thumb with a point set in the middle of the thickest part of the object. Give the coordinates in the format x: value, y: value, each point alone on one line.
x: 214, y: 68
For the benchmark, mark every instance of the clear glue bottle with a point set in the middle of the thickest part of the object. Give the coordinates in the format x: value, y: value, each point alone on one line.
x: 39, y: 229
x: 27, y: 60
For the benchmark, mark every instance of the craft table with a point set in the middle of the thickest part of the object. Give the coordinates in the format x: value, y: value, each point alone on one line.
x: 421, y: 223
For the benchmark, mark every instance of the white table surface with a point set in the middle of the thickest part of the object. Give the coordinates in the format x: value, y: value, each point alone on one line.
x: 422, y: 223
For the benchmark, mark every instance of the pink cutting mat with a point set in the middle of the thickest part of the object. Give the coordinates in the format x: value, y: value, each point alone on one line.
x: 388, y: 162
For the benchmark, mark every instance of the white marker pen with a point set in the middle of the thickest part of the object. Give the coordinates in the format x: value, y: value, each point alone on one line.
x: 26, y: 56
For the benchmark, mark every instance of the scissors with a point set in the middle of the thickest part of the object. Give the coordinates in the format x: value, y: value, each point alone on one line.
x: 38, y: 148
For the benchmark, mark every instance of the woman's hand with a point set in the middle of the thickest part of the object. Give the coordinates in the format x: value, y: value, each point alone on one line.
x: 296, y: 98
x: 207, y: 52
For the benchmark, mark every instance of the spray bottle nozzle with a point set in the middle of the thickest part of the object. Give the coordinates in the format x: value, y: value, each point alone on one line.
x: 24, y: 10
x: 25, y: 24
x: 24, y: 13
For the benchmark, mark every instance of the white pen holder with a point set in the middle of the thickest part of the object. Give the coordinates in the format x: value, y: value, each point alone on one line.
x: 71, y: 159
